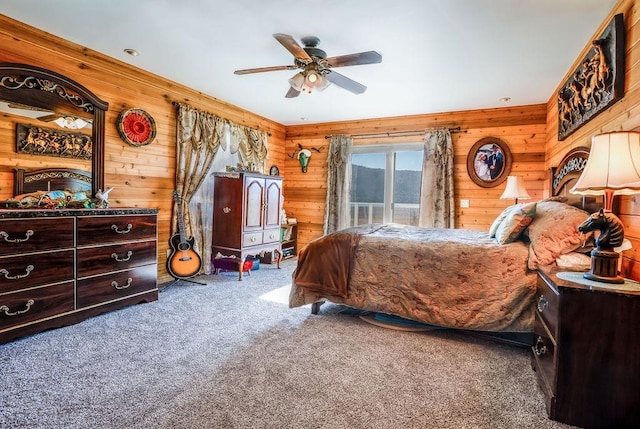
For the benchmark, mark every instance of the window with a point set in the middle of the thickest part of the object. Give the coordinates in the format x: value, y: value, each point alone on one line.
x: 385, y: 184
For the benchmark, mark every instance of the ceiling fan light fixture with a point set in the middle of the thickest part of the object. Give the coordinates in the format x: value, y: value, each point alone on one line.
x: 70, y: 122
x: 297, y: 81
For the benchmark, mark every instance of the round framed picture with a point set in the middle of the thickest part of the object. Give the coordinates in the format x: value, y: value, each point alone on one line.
x: 489, y: 162
x: 274, y: 170
x: 136, y: 127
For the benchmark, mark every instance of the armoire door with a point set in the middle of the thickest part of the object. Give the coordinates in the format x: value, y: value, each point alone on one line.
x: 273, y: 194
x: 254, y: 203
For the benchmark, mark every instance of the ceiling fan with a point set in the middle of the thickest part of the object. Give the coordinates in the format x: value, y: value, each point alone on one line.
x: 66, y: 121
x: 316, y: 68
x: 61, y: 119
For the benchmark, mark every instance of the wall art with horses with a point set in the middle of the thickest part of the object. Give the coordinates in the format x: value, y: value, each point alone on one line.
x: 596, y: 83
x: 50, y: 142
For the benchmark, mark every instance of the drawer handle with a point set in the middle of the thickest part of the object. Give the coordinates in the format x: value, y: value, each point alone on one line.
x: 253, y: 239
x: 6, y: 238
x: 17, y: 276
x: 542, y: 303
x: 124, y: 286
x: 125, y: 259
x: 540, y: 349
x: 226, y: 210
x: 122, y: 231
x: 15, y: 313
x: 272, y: 236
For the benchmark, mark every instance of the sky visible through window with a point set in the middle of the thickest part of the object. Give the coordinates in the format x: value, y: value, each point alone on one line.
x: 410, y: 160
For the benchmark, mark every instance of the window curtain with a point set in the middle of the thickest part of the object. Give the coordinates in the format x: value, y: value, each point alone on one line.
x: 437, y: 209
x: 198, y: 138
x: 336, y: 214
x: 253, y: 147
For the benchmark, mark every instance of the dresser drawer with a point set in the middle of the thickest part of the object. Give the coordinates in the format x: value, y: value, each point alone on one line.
x: 35, y: 304
x: 33, y: 235
x: 35, y: 269
x: 547, y: 305
x: 251, y: 239
x: 544, y: 350
x: 103, y: 259
x: 94, y: 230
x: 113, y: 286
x: 271, y: 236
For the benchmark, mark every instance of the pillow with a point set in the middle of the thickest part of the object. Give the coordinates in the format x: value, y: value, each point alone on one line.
x: 496, y: 223
x: 554, y: 232
x: 515, y: 222
x: 574, y: 261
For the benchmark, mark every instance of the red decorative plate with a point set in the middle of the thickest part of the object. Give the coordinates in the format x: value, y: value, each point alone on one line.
x: 136, y: 127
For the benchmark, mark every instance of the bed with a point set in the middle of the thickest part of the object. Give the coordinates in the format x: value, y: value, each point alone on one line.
x: 456, y: 278
x: 50, y: 188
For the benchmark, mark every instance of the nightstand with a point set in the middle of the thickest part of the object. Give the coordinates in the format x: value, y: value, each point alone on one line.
x: 587, y: 351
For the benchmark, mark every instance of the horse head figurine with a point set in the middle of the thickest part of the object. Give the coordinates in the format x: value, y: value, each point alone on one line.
x: 610, y: 227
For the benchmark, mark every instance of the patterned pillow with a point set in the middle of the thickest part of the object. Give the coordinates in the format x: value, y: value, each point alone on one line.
x: 496, y: 223
x: 515, y: 222
x: 554, y: 232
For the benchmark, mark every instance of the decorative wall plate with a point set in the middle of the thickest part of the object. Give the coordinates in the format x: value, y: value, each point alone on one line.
x: 136, y: 127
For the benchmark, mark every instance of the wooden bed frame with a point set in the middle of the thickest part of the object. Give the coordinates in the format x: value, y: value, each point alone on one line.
x: 50, y: 179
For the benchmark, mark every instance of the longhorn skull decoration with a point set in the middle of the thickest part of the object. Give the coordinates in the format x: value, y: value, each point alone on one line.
x: 303, y: 156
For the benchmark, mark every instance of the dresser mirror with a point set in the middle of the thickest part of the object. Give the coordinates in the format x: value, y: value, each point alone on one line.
x: 52, y: 98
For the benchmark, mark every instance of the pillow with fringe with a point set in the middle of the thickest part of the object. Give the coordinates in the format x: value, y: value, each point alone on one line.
x: 496, y: 223
x: 515, y: 222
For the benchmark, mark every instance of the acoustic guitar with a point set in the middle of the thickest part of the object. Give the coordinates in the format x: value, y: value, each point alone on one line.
x: 184, y: 262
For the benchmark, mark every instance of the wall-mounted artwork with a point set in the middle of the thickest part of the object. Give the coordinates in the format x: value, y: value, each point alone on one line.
x: 596, y: 83
x: 50, y: 142
x: 489, y: 162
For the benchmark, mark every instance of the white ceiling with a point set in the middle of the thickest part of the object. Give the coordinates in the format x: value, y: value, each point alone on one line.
x: 438, y: 55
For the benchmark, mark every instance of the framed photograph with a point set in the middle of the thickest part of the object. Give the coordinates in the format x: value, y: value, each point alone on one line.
x: 274, y: 171
x: 489, y: 162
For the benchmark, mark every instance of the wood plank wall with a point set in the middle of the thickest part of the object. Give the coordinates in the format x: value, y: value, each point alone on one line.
x: 622, y: 116
x: 523, y: 128
x: 143, y: 176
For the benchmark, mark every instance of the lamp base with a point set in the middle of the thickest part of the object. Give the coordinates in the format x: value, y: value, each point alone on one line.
x: 604, y: 267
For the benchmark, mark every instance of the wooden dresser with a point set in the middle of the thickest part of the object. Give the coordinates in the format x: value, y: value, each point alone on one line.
x: 246, y: 215
x: 587, y: 352
x: 59, y: 267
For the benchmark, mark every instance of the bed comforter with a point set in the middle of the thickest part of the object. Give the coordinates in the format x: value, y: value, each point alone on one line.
x: 446, y: 277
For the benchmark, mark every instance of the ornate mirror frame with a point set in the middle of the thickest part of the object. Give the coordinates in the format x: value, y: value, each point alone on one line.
x: 38, y: 87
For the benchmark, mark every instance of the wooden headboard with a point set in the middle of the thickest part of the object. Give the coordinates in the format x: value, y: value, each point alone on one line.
x: 564, y: 176
x: 50, y: 179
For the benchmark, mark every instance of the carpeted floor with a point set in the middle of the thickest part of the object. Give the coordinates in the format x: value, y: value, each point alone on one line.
x: 233, y: 355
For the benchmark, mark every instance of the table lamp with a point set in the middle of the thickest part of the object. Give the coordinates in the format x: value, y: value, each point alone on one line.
x: 515, y: 189
x: 613, y: 168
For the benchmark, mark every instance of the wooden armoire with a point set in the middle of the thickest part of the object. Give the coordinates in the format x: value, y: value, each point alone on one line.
x: 246, y: 215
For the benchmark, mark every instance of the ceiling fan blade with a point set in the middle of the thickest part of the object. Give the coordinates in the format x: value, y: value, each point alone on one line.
x: 346, y: 83
x: 49, y: 118
x: 265, y: 69
x: 292, y: 46
x: 369, y: 57
x: 292, y: 93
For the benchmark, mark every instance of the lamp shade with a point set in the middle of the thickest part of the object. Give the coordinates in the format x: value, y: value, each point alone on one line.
x: 613, y: 167
x: 515, y: 189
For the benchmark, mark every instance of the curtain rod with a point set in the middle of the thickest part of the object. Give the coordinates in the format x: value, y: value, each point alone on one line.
x: 399, y: 133
x: 177, y: 104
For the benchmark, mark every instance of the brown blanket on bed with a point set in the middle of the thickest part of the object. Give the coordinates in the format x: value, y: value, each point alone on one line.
x: 332, y: 258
